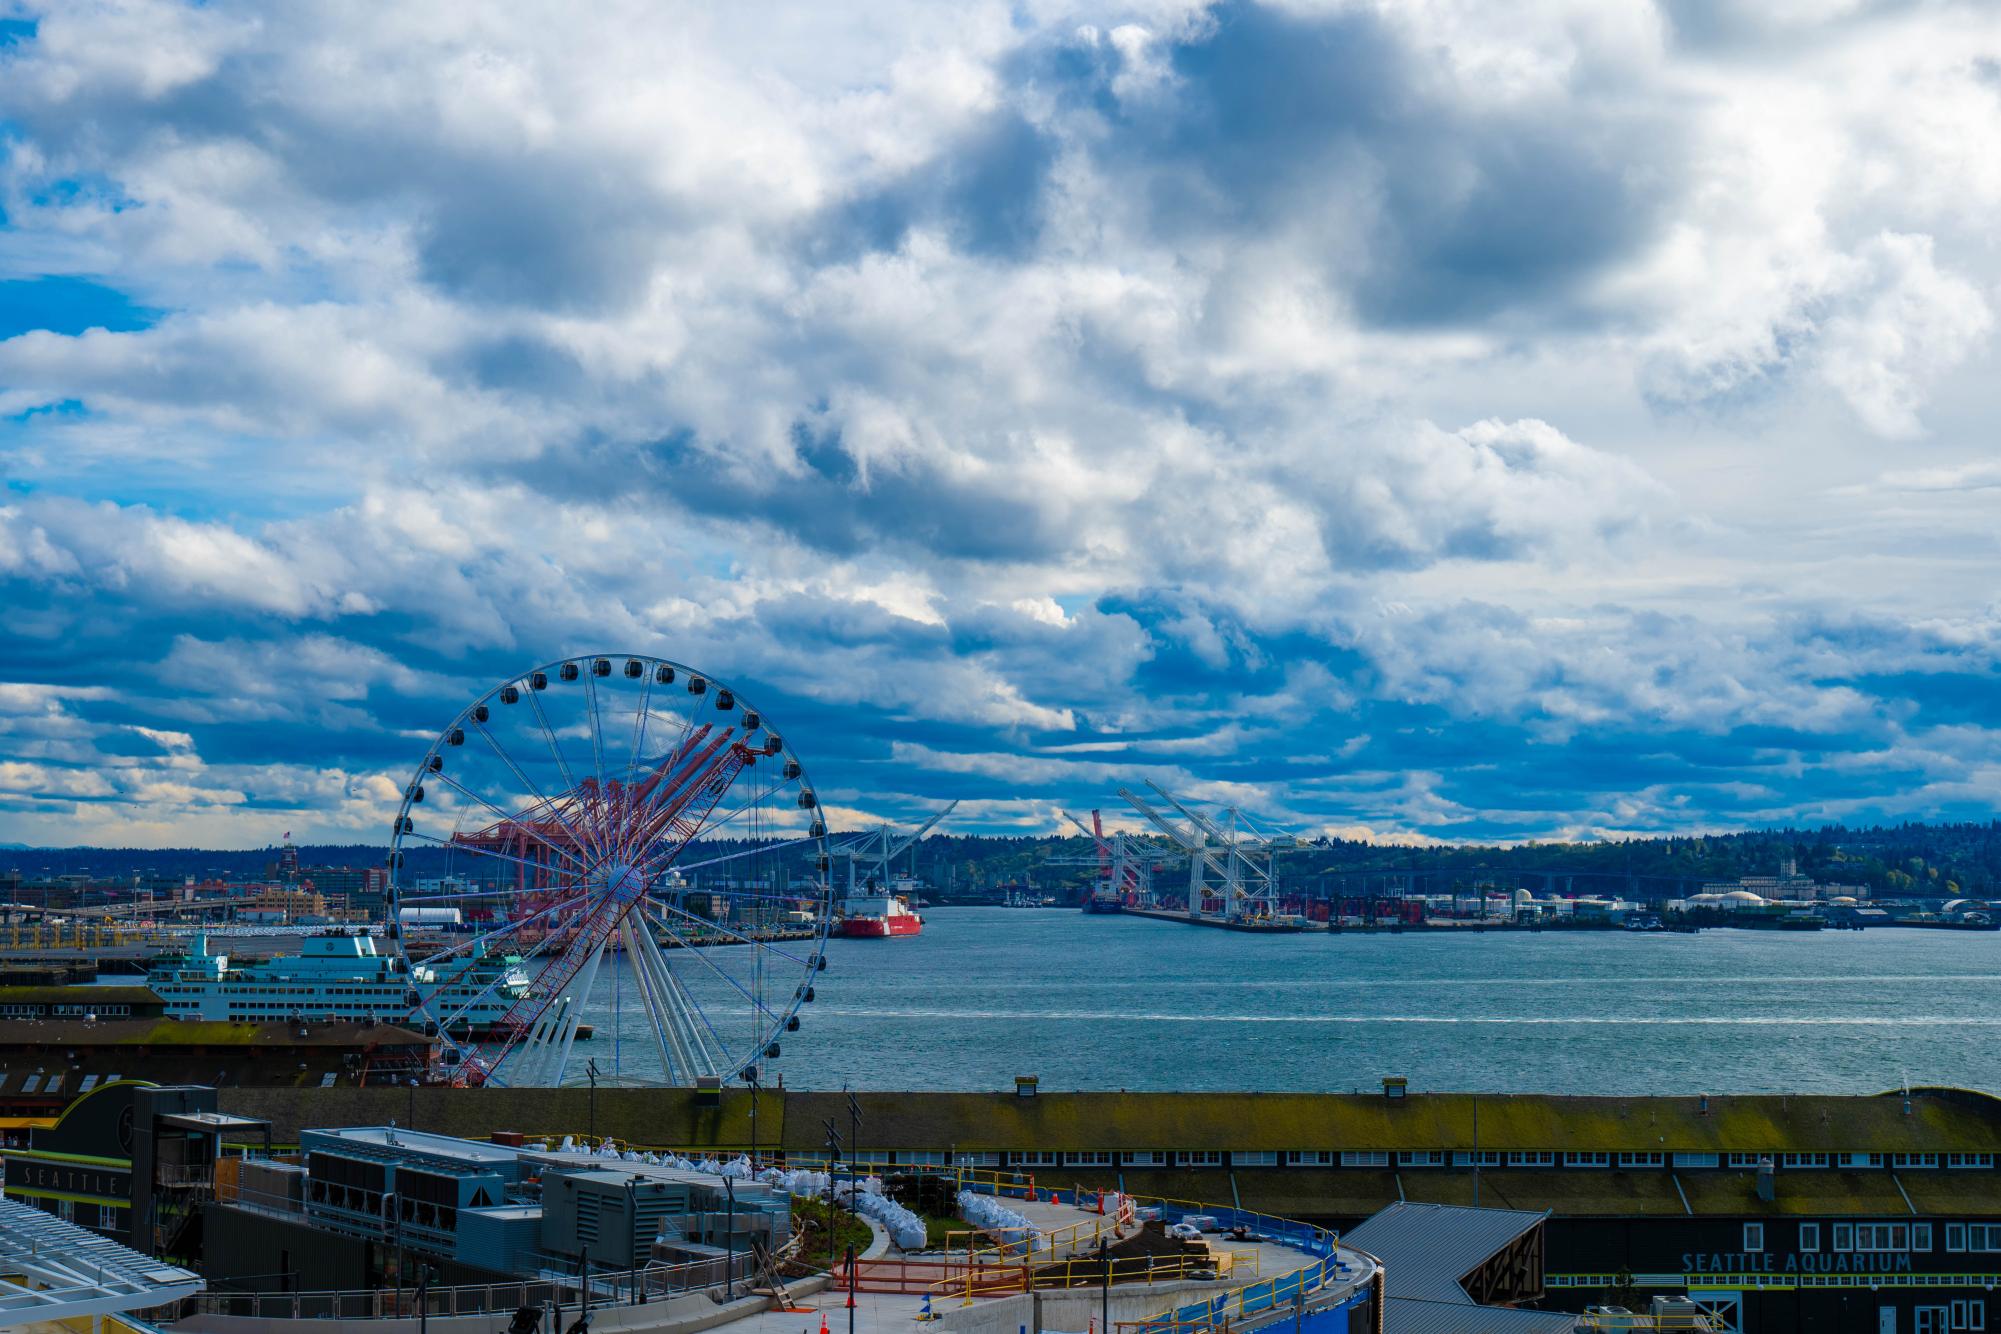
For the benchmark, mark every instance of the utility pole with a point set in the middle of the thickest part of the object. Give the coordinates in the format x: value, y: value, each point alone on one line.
x: 591, y: 1069
x: 1105, y: 1287
x: 833, y: 1171
x: 729, y: 1264
x: 851, y: 1289
x: 854, y: 1141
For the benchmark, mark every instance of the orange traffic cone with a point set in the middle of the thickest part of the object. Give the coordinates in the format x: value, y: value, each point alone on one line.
x: 823, y: 1322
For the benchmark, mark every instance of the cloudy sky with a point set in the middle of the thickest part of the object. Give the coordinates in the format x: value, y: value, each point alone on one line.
x: 1425, y: 419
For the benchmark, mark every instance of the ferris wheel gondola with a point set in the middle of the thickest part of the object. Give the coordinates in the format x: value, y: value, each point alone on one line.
x: 617, y: 850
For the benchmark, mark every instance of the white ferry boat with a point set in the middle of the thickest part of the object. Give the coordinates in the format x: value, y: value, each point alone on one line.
x: 339, y: 975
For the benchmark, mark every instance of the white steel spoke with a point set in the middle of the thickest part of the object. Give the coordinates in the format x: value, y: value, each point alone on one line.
x: 498, y: 932
x: 690, y: 948
x: 507, y: 857
x: 584, y: 847
x: 555, y: 749
x: 474, y: 850
x: 738, y: 935
x: 499, y: 977
x: 735, y: 856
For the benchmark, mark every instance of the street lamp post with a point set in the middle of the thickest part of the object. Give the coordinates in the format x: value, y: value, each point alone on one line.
x: 591, y: 1069
x: 1105, y: 1286
x: 729, y: 1241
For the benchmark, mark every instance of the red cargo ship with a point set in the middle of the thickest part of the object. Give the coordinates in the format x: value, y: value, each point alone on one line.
x: 878, y: 915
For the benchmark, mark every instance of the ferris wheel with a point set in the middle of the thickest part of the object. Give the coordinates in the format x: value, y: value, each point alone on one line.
x: 609, y: 866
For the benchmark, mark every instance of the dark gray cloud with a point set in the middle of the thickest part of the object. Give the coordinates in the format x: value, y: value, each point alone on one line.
x: 1288, y: 402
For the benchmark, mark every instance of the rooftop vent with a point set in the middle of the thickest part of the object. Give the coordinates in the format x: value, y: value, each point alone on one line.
x: 1024, y: 1086
x: 1395, y: 1086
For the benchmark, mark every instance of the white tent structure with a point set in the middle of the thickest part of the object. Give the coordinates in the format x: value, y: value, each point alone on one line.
x: 51, y: 1270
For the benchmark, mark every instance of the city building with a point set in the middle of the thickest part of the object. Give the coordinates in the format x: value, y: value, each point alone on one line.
x: 364, y: 1206
x: 361, y: 890
x: 129, y: 1160
x: 1815, y: 1209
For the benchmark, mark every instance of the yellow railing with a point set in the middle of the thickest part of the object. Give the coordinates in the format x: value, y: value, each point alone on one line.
x: 1087, y: 1271
x: 1071, y: 1237
x: 70, y: 935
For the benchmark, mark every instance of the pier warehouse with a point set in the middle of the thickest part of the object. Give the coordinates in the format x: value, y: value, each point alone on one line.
x: 1780, y: 1212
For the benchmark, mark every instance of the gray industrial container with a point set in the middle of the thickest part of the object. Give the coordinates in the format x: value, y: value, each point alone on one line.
x: 264, y: 1184
x: 610, y: 1215
x: 505, y: 1239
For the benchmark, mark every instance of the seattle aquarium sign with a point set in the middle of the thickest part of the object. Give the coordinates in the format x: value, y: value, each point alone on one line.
x: 1821, y: 1262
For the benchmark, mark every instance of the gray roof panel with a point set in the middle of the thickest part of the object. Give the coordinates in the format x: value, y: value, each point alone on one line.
x: 1427, y: 1248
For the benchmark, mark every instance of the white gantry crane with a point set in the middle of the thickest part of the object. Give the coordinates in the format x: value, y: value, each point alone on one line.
x: 1228, y: 859
x: 877, y: 850
x: 1125, y: 872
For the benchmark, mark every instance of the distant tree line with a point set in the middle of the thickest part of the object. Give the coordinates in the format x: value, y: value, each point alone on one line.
x: 1914, y: 859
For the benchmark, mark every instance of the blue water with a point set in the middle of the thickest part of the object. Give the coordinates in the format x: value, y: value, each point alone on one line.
x: 1107, y: 1002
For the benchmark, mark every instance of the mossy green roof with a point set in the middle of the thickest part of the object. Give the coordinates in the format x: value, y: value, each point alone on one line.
x: 1940, y: 1121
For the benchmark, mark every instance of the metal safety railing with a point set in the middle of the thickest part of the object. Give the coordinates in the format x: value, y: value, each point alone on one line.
x: 1071, y: 1238
x: 621, y: 1287
x: 1126, y: 1272
x: 1248, y: 1302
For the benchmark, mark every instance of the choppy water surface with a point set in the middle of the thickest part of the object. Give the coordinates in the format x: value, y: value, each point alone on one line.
x: 1093, y: 1002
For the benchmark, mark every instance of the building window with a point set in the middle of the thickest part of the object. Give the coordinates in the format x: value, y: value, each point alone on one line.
x: 1587, y: 1160
x: 1969, y: 1160
x: 1695, y: 1160
x: 1803, y: 1160
x: 1742, y: 1159
x: 1882, y: 1237
x: 1642, y: 1159
x: 1484, y: 1158
x: 1844, y: 1236
x: 1311, y: 1157
x: 1035, y: 1159
x: 1754, y: 1237
x: 1364, y: 1158
x: 1970, y: 1313
x: 1253, y: 1158
x: 1914, y: 1160
x: 1921, y: 1236
x: 1088, y: 1159
x: 1422, y: 1158
x: 1809, y: 1236
x: 1147, y: 1158
x: 1199, y: 1158
x: 1532, y: 1158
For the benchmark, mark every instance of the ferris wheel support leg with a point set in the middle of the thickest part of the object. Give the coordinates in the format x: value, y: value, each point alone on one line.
x: 545, y: 1053
x: 683, y: 1025
x: 672, y: 1059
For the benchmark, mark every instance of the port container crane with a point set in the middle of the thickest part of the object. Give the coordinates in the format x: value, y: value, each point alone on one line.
x: 1240, y: 858
x: 880, y: 848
